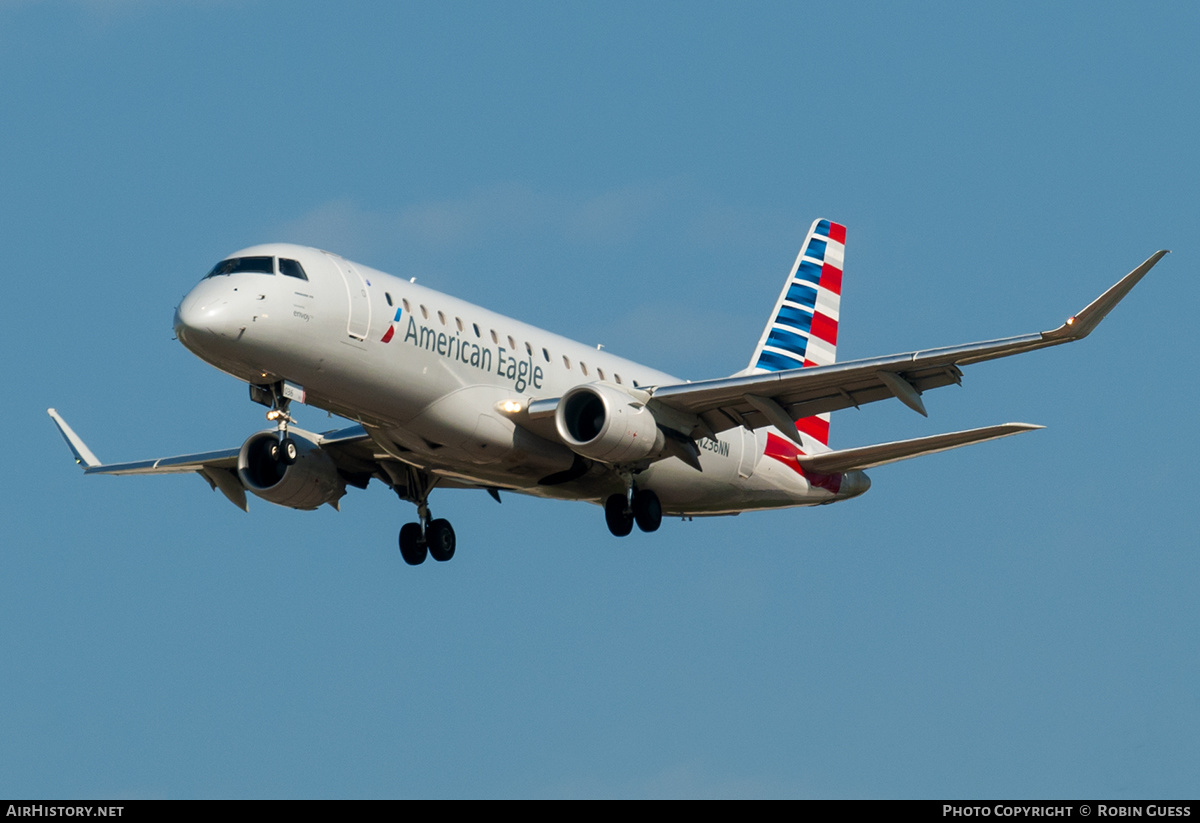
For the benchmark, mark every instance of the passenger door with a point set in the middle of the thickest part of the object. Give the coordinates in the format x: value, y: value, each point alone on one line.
x: 358, y: 323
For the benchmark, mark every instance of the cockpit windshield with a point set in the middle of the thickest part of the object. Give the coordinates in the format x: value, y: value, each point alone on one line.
x: 259, y: 265
x: 292, y: 268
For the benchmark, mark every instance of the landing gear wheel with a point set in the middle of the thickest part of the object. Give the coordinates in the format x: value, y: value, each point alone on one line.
x: 647, y: 511
x: 620, y: 521
x: 412, y: 544
x: 288, y: 451
x: 439, y: 536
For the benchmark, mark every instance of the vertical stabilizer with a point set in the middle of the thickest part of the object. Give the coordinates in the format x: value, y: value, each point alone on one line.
x: 802, y: 330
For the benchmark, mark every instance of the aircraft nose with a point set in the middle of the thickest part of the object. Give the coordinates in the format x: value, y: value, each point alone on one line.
x: 189, y: 315
x: 206, y: 313
x: 177, y: 322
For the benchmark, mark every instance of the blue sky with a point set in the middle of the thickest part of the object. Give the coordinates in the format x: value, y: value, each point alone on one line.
x: 1015, y: 619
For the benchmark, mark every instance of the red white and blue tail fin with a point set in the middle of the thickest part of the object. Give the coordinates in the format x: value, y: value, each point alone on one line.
x: 802, y: 330
x: 803, y: 327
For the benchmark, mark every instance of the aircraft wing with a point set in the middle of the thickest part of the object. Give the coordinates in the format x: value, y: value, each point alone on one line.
x: 351, y: 448
x: 777, y: 398
x: 223, y: 459
x: 347, y: 445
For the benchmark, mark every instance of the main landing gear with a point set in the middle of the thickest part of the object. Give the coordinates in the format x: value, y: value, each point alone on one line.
x: 428, y: 537
x: 639, y: 506
x: 434, y: 538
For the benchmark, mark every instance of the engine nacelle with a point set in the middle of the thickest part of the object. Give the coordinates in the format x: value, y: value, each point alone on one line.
x: 602, y: 422
x: 312, y: 480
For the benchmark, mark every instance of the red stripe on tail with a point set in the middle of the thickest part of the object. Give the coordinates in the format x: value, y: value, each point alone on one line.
x: 824, y: 328
x: 815, y: 427
x: 831, y: 278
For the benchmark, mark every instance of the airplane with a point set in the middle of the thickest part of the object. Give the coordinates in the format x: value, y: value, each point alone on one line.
x: 446, y: 394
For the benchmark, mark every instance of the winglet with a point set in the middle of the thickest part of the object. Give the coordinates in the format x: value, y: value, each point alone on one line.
x: 83, y: 455
x: 1082, y: 324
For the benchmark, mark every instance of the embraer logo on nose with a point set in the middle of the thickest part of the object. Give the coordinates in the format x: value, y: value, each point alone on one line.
x: 387, y: 335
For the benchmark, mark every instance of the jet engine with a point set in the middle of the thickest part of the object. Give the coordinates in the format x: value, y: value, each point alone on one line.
x: 601, y: 422
x: 307, y: 483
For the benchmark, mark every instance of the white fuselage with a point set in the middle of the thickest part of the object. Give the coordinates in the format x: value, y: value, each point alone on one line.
x: 426, y: 374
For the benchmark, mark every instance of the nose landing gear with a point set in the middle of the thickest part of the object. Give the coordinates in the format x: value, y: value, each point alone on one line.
x: 285, y: 450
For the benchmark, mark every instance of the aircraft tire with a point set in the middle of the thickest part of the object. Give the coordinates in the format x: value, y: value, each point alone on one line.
x: 440, y: 539
x: 620, y: 522
x: 412, y: 547
x: 288, y: 451
x: 647, y: 510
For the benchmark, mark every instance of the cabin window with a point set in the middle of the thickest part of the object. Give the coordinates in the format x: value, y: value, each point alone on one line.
x: 458, y: 322
x: 583, y: 368
x: 292, y: 268
x: 388, y: 296
x: 617, y: 377
x: 566, y: 361
x: 495, y: 338
x: 528, y: 349
x: 546, y: 355
x: 601, y: 373
x: 475, y: 326
x: 424, y: 311
x: 442, y: 318
x: 512, y: 344
x: 404, y: 303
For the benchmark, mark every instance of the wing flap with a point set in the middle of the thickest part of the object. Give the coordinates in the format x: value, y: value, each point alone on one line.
x: 228, y: 483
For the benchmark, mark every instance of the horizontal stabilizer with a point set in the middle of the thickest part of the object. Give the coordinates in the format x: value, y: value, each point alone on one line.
x: 867, y: 457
